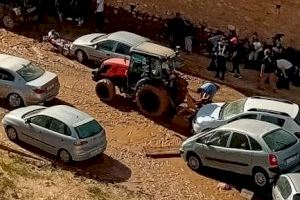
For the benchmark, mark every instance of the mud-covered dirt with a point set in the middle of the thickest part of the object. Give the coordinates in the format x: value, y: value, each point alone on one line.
x: 124, y: 163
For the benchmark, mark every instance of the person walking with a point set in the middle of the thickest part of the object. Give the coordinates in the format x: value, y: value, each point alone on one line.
x: 267, y: 71
x: 99, y: 15
x: 188, y: 36
x: 236, y: 57
x: 221, y: 56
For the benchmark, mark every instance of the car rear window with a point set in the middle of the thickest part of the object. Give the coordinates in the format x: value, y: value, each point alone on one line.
x: 88, y: 129
x: 30, y: 72
x: 279, y: 140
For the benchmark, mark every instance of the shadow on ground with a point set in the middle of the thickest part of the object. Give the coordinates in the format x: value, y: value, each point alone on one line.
x: 102, y: 168
x: 238, y: 181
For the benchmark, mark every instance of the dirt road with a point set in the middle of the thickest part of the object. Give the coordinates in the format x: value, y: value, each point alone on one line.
x: 128, y: 132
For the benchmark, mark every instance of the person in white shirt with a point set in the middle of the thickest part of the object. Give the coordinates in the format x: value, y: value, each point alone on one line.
x: 99, y: 14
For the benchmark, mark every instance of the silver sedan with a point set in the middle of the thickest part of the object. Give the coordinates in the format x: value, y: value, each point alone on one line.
x: 24, y: 83
x: 60, y: 130
x: 98, y: 46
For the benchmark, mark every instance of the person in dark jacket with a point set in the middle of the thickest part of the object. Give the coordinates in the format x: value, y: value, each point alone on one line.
x: 236, y: 57
x: 267, y: 71
x: 176, y: 28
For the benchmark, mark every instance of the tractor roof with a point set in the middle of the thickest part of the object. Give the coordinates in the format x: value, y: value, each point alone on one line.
x: 154, y: 50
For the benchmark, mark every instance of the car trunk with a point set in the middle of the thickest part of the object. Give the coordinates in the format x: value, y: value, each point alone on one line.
x: 93, y: 142
x: 47, y: 84
x: 289, y: 158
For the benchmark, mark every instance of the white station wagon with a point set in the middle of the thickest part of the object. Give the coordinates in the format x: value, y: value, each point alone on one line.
x: 280, y: 112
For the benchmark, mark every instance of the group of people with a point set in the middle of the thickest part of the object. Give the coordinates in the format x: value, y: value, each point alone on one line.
x: 275, y: 64
x: 77, y: 10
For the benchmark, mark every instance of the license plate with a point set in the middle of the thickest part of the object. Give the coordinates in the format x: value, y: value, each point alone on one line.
x: 291, y: 159
x: 95, y: 152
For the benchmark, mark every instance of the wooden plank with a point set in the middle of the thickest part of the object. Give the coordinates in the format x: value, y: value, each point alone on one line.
x: 162, y: 152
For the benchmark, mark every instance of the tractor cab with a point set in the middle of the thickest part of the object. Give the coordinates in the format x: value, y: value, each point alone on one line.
x: 149, y: 78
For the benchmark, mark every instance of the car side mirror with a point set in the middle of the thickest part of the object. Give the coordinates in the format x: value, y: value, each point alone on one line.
x: 27, y: 121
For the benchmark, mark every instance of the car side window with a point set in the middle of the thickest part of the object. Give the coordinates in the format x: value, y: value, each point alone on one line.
x: 239, y: 141
x: 246, y: 116
x: 123, y: 49
x: 59, y: 127
x: 255, y: 146
x: 284, y: 187
x: 6, y: 76
x: 274, y: 120
x: 107, y: 45
x: 40, y: 120
x: 220, y: 138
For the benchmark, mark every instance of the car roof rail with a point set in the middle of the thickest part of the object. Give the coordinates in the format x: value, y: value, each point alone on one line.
x: 269, y: 111
x: 272, y: 99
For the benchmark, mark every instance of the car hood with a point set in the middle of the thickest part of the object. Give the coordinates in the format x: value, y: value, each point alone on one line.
x: 18, y: 113
x: 43, y: 80
x: 87, y: 39
x: 209, y: 112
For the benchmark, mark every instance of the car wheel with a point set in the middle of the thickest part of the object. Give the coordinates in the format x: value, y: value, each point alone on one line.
x: 15, y: 100
x: 194, y: 162
x: 81, y: 56
x: 260, y: 178
x: 8, y: 21
x: 64, y: 156
x: 12, y: 133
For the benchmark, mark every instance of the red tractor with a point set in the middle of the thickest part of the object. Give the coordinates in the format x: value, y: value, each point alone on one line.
x: 149, y: 78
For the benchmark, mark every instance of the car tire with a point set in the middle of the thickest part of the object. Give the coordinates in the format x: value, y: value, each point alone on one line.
x: 81, y: 56
x: 194, y: 162
x: 260, y: 178
x: 64, y: 156
x: 153, y: 101
x: 106, y: 90
x: 12, y: 133
x: 14, y: 100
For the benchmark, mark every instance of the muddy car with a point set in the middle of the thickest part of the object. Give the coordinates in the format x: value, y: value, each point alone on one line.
x: 13, y: 13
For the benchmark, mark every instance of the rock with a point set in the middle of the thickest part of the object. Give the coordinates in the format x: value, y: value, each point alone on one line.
x: 224, y: 186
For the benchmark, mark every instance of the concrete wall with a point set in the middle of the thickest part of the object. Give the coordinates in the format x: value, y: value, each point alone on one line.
x: 248, y: 16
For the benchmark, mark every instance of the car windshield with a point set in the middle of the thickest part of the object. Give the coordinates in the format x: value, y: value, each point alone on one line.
x: 279, y: 139
x: 32, y: 112
x: 88, y: 129
x: 297, y: 119
x: 30, y: 72
x: 233, y: 108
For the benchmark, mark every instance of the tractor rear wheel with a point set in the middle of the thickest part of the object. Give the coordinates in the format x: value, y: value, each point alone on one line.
x: 105, y: 90
x: 153, y: 101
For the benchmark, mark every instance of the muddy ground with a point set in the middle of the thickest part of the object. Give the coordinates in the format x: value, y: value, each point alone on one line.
x: 123, y: 172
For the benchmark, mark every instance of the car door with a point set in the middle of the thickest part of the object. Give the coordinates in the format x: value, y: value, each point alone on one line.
x: 213, y: 151
x: 239, y: 154
x: 122, y: 50
x: 58, y: 136
x: 6, y: 83
x: 104, y: 49
x: 34, y: 128
x: 282, y: 189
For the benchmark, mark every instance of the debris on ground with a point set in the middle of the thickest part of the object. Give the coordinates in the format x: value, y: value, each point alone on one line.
x: 224, y: 186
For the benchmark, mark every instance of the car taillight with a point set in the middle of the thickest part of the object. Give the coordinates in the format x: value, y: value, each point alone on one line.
x: 80, y: 143
x: 273, y: 160
x: 39, y: 91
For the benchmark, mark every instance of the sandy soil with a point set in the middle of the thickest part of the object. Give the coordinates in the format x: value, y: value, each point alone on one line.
x: 124, y: 166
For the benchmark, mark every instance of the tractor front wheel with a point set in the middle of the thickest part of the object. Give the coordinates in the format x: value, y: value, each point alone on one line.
x: 105, y: 90
x: 153, y: 101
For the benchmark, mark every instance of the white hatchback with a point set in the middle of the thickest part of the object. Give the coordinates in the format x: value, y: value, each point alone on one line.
x: 287, y: 187
x: 276, y: 111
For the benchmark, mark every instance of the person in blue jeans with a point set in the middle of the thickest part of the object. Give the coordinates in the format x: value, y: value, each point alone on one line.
x: 207, y: 91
